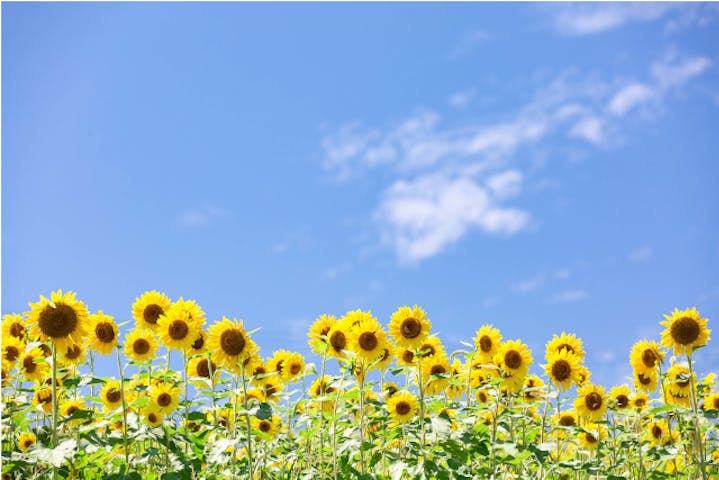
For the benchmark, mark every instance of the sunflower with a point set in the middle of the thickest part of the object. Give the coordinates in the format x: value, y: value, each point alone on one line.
x: 103, y: 333
x: 152, y: 416
x: 513, y: 357
x: 355, y: 317
x: 14, y: 325
x: 591, y: 435
x: 323, y: 387
x: 591, y: 402
x: 646, y: 355
x: 164, y: 397
x: 533, y: 389
x: 409, y: 327
x: 679, y: 381
x: 294, y: 365
x: 685, y: 331
x: 318, y: 333
x: 565, y: 341
x: 268, y: 428
x: 201, y: 367
x: 367, y: 339
x: 657, y: 432
x: 405, y: 357
x: 402, y: 407
x: 177, y: 329
x: 75, y: 356
x: 435, y: 373
x: 257, y: 370
x: 70, y: 406
x: 272, y: 389
x: 111, y: 395
x: 338, y: 338
x: 711, y: 402
x: 383, y: 361
x: 141, y: 345
x: 562, y: 368
x: 148, y: 308
x: 621, y: 397
x: 567, y: 418
x: 389, y: 389
x: 33, y: 365
x: 457, y: 384
x: 640, y: 401
x: 229, y: 343
x: 677, y: 399
x: 26, y: 440
x: 42, y: 397
x: 12, y: 349
x: 646, y: 381
x: 62, y: 319
x: 483, y: 396
x: 584, y: 375
x: 276, y: 363
x: 430, y: 347
x: 488, y: 340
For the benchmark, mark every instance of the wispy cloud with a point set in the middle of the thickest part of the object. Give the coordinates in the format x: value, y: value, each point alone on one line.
x: 200, y: 216
x: 528, y: 285
x: 462, y: 99
x: 641, y: 255
x: 468, y: 42
x: 569, y: 296
x: 629, y: 97
x: 587, y: 19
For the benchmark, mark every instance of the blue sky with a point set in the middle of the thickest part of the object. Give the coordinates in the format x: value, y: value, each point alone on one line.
x: 538, y: 167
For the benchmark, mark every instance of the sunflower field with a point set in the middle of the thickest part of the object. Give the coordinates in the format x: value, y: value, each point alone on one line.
x: 377, y: 401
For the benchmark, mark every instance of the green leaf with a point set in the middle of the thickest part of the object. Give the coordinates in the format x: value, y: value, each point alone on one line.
x: 123, y: 476
x: 264, y: 411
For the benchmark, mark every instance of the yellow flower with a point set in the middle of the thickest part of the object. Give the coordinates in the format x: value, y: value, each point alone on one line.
x: 272, y: 389
x: 322, y: 387
x: 640, y: 401
x: 389, y: 389
x: 26, y: 440
x: 293, y: 366
x: 75, y: 355
x: 534, y: 389
x: 268, y: 428
x: 70, y: 406
x: 483, y: 396
x: 457, y: 382
x: 488, y: 340
x: 257, y: 370
x: 679, y: 381
x: 338, y: 338
x: 177, y: 329
x: 567, y: 418
x: 646, y: 381
x: 685, y: 330
x: 230, y: 345
x: 164, y: 397
x: 103, y: 333
x: 201, y: 366
x: 514, y: 358
x: 33, y: 365
x: 405, y: 357
x: 591, y: 402
x: 111, y: 395
x: 591, y: 435
x: 62, y: 319
x: 141, y: 345
x: 199, y: 345
x: 318, y: 333
x: 14, y: 325
x: 658, y: 432
x: 12, y: 349
x: 148, y: 308
x: 430, y: 347
x: 409, y: 327
x: 435, y: 373
x: 584, y: 375
x: 402, y: 407
x: 565, y: 341
x: 711, y: 402
x: 367, y: 339
x: 42, y: 397
x: 562, y: 368
x: 152, y: 416
x: 646, y: 355
x: 621, y: 396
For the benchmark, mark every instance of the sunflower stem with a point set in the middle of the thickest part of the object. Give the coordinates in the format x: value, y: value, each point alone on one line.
x: 187, y: 397
x: 697, y: 428
x: 420, y: 387
x: 247, y: 420
x: 322, y: 410
x: 54, y: 403
x: 124, y: 407
x: 361, y: 417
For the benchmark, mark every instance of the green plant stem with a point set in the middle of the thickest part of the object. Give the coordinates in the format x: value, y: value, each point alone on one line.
x: 420, y: 388
x: 695, y: 411
x: 322, y: 410
x: 124, y: 407
x: 361, y: 418
x: 187, y: 398
x: 54, y: 403
x: 247, y: 421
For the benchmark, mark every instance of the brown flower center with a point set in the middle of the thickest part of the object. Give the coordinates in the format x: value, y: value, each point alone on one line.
x: 622, y: 400
x: 140, y: 346
x: 567, y: 421
x: 437, y: 370
x: 567, y: 347
x: 485, y: 343
x: 232, y: 341
x: 428, y: 350
x: 104, y: 332
x: 178, y: 329
x: 152, y: 417
x: 338, y: 341
x: 113, y: 395
x: 410, y: 328
x: 685, y: 330
x: 644, y: 380
x: 203, y: 368
x: 295, y: 368
x: 640, y: 402
x: 270, y: 390
x: 657, y: 431
x: 408, y: 356
x: 593, y: 400
x: 513, y: 359
x: 151, y: 313
x: 58, y: 321
x: 265, y: 426
x: 199, y: 343
x: 683, y: 382
x: 561, y: 370
x: 73, y: 352
x: 649, y: 358
x: 368, y: 341
x: 715, y: 403
x: 403, y: 408
x: 590, y: 438
x: 17, y: 330
x: 391, y: 390
x: 164, y: 399
x: 46, y: 351
x: 27, y: 443
x: 29, y: 364
x: 482, y: 397
x: 71, y: 409
x: 11, y: 353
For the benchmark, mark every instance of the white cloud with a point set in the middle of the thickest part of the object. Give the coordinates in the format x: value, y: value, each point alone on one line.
x: 462, y: 99
x: 673, y: 71
x: 641, y: 255
x: 569, y: 296
x: 506, y: 184
x: 562, y: 273
x: 587, y: 19
x: 529, y: 285
x: 606, y: 356
x: 468, y: 42
x: 589, y: 128
x: 200, y: 217
x: 419, y: 218
x: 629, y: 97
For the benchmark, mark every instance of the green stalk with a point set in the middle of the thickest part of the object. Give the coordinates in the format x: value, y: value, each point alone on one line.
x: 187, y: 398
x: 54, y: 403
x: 124, y: 407
x: 420, y: 387
x: 361, y: 418
x: 247, y: 421
x: 697, y: 428
x: 323, y: 393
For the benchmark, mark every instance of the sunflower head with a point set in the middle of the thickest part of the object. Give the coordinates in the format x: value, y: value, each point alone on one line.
x: 591, y: 402
x: 679, y: 381
x: 164, y: 397
x: 199, y: 345
x: 646, y: 381
x: 177, y: 329
x: 42, y: 397
x: 111, y: 395
x: 103, y: 333
x: 436, y: 373
x: 69, y: 407
x: 685, y: 330
x: 293, y: 367
x: 591, y: 434
x: 562, y: 368
x: 565, y: 341
x: 514, y: 358
x: 26, y: 440
x: 409, y: 326
x: 62, y: 320
x: 34, y: 366
x: 487, y: 340
x: 402, y: 406
x: 12, y: 350
x: 267, y: 429
x: 141, y: 345
x: 646, y: 355
x: 14, y: 325
x: 534, y: 390
x: 230, y: 344
x: 620, y: 397
x: 152, y: 415
x: 640, y: 401
x: 430, y: 347
x: 75, y: 356
x: 711, y: 402
x: 338, y: 338
x: 318, y: 339
x: 368, y: 340
x: 148, y: 308
x: 202, y: 367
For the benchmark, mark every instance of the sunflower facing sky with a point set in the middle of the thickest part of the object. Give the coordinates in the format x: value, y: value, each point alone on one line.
x: 368, y: 340
x: 148, y: 308
x: 591, y: 402
x: 487, y: 340
x: 562, y: 368
x: 685, y: 330
x: 568, y: 342
x: 409, y: 326
x: 164, y: 397
x: 14, y: 325
x: 513, y: 357
x: 229, y: 343
x: 402, y: 406
x: 318, y: 333
x: 141, y: 345
x: 646, y: 355
x: 104, y: 335
x: 62, y: 319
x: 177, y: 329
